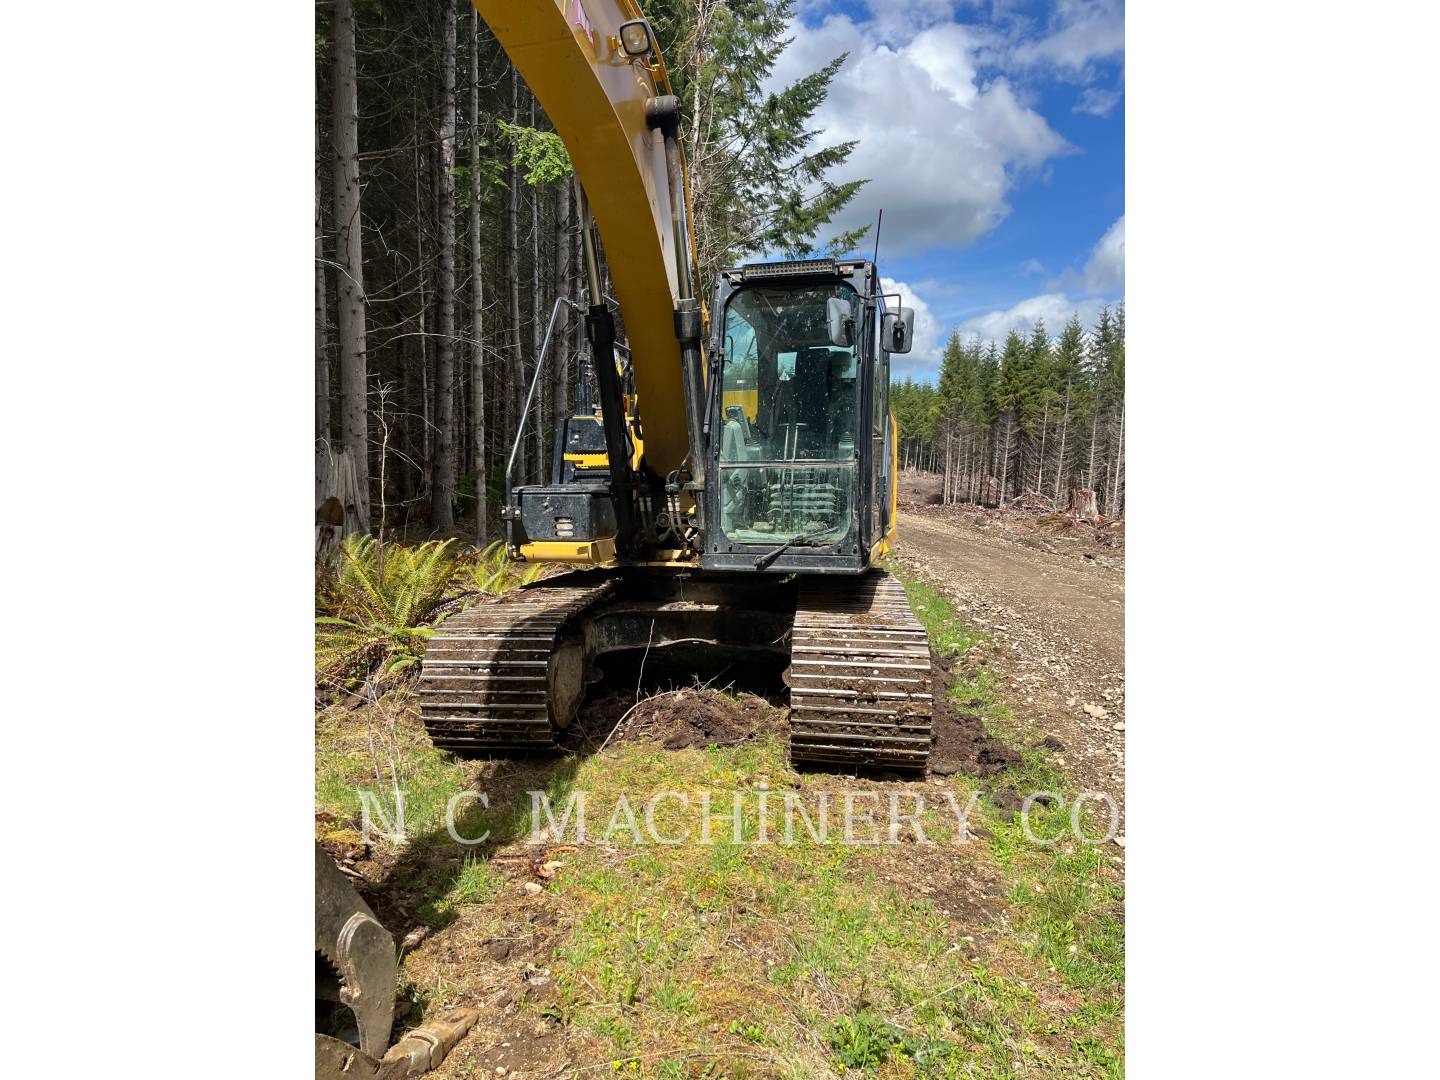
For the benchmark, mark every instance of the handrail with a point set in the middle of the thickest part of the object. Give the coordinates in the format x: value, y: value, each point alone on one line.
x: 525, y: 415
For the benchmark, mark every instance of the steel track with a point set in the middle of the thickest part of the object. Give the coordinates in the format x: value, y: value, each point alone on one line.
x: 505, y: 676
x: 859, y: 675
x: 489, y: 676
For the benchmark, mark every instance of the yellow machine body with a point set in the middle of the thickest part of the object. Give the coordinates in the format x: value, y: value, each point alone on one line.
x: 570, y: 55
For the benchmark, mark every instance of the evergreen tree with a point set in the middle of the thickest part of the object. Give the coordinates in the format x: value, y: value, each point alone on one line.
x: 1035, y: 429
x: 757, y: 182
x: 1068, y: 376
x: 1014, y: 392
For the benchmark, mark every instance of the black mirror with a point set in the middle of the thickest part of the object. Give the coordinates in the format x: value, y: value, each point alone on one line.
x: 897, y: 330
x: 839, y: 321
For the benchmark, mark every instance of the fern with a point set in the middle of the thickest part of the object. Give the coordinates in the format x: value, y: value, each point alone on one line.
x: 375, y: 606
x: 494, y: 573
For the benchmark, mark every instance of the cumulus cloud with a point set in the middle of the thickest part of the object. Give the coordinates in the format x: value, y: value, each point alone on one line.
x: 1105, y: 270
x: 1079, y: 33
x: 924, y: 354
x: 1054, y: 308
x: 940, y: 144
x: 1103, y: 276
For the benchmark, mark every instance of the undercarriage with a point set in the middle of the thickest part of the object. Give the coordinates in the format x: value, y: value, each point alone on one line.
x: 509, y: 676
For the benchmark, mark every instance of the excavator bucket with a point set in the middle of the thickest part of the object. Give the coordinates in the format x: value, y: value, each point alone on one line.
x: 358, y: 955
x: 356, y: 967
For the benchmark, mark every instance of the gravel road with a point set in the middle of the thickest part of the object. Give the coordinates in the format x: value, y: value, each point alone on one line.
x: 1055, y: 612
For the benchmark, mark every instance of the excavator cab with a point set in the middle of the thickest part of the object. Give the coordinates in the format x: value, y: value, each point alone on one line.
x: 800, y: 372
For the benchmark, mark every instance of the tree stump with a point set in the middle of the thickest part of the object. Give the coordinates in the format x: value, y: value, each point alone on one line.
x: 337, y: 497
x: 1082, y: 505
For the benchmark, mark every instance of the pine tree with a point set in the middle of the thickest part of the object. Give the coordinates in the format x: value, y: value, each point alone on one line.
x: 1039, y: 364
x: 349, y: 257
x: 442, y: 493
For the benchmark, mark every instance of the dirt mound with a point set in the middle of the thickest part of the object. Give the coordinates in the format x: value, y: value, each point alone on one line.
x: 692, y: 717
x: 960, y: 742
x: 700, y: 717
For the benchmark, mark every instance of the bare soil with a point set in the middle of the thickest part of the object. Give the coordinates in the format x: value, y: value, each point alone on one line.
x: 961, y: 744
x: 685, y: 718
x: 1051, y: 597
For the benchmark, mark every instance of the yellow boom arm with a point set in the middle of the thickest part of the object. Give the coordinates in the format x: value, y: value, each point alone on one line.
x: 569, y: 53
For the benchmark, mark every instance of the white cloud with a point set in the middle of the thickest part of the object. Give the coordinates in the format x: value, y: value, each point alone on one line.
x: 1105, y: 270
x: 1096, y: 102
x: 1054, y: 308
x: 1079, y: 33
x: 940, y: 145
x: 1103, y: 276
x: 924, y: 355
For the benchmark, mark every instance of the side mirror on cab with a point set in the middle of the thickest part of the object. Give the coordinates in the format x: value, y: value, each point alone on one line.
x: 840, y: 321
x: 897, y: 329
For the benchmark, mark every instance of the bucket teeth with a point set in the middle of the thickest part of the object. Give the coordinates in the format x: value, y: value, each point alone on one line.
x: 859, y: 675
x: 485, y: 681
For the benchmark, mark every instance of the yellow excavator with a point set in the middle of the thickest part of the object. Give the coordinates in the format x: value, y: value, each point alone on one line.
x: 735, y: 483
x: 734, y: 486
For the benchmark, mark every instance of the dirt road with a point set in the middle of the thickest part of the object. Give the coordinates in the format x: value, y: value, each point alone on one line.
x: 1055, y: 614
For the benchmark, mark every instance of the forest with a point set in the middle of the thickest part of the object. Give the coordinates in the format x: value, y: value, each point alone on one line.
x: 1036, y: 416
x: 446, y: 229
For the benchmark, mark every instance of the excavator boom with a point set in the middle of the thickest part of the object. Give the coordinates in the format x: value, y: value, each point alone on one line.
x: 571, y: 56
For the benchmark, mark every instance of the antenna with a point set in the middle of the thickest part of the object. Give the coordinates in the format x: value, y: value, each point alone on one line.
x: 876, y: 257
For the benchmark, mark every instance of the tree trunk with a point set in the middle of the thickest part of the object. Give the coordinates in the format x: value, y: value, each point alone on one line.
x: 1094, y: 427
x: 442, y: 493
x: 539, y: 312
x: 1117, y: 491
x: 562, y: 288
x: 350, y: 291
x: 1060, y: 471
x: 1005, y: 464
x: 477, y: 296
x: 322, y: 351
x: 337, y: 512
x: 1044, y: 434
x: 516, y: 369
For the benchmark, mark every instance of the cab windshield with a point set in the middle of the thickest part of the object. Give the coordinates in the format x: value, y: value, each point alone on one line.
x: 789, y: 401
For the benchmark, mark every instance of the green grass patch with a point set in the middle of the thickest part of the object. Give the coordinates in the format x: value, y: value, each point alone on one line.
x: 803, y: 959
x: 476, y: 883
x: 948, y: 635
x: 365, y: 756
x: 1066, y: 897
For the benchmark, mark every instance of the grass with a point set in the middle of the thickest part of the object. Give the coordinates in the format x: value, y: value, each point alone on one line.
x: 371, y: 754
x: 800, y: 960
x: 476, y: 884
x: 948, y: 635
x: 821, y: 959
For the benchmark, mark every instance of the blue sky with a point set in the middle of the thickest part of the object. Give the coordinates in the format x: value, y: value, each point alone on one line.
x: 992, y: 134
